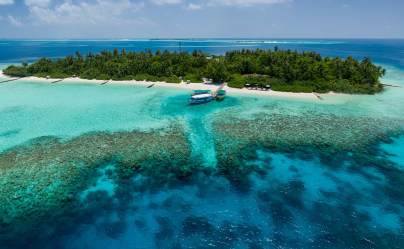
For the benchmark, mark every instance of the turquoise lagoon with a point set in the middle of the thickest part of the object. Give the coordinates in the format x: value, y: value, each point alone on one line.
x: 115, y: 166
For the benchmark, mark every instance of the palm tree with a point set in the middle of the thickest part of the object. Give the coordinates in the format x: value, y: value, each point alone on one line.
x: 115, y: 52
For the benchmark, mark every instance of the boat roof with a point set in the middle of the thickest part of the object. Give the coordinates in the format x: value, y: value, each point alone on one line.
x: 221, y: 92
x: 201, y: 91
x: 201, y: 96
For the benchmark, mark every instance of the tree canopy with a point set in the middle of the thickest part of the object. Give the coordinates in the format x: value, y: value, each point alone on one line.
x: 284, y: 70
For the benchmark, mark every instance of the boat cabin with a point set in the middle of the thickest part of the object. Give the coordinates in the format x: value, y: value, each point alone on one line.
x: 197, y: 92
x: 221, y: 94
x: 200, y: 98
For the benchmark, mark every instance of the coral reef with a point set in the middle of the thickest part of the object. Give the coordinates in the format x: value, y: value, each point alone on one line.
x: 156, y: 179
x: 329, y: 137
x: 42, y: 176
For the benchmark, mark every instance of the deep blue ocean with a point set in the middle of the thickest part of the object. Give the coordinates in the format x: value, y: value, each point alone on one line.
x: 124, y: 166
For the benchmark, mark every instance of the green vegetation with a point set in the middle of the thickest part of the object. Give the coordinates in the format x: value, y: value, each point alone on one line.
x: 193, y: 78
x: 55, y: 75
x: 283, y: 70
x: 172, y: 79
x: 295, y: 89
x: 16, y: 71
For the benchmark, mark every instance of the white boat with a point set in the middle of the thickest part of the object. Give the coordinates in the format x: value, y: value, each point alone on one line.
x: 200, y: 98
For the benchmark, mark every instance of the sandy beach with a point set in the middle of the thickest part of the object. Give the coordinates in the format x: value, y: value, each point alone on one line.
x: 183, y: 85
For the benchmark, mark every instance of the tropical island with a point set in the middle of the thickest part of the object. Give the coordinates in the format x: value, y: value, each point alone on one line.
x: 160, y: 39
x: 283, y: 70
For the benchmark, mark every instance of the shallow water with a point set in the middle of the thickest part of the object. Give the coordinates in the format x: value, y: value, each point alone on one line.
x: 114, y: 166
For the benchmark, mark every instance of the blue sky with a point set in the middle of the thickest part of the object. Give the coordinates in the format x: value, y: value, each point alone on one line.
x: 201, y: 19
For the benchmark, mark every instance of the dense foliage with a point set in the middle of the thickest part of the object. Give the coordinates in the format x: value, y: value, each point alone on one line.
x: 16, y: 71
x: 194, y: 78
x: 283, y: 70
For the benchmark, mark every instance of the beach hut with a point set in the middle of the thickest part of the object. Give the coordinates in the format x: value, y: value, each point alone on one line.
x: 246, y: 85
x: 47, y: 77
x: 267, y: 87
x: 188, y: 81
x: 74, y: 76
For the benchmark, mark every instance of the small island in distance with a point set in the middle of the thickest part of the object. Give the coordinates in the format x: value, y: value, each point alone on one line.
x: 161, y: 39
x: 283, y: 70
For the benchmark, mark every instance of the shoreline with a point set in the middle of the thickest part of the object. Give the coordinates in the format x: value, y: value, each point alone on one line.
x: 182, y: 85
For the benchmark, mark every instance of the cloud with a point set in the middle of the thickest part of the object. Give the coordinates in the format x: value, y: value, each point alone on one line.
x: 4, y: 2
x: 192, y: 6
x: 13, y: 22
x: 162, y: 2
x: 246, y: 3
x: 100, y: 12
x: 42, y: 3
x: 344, y: 6
x: 1, y: 18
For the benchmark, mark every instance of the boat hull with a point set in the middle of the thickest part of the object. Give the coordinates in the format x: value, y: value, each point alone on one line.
x: 199, y: 101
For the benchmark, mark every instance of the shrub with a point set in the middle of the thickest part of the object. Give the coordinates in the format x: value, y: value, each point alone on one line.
x: 89, y: 74
x: 16, y: 71
x: 140, y: 77
x: 295, y: 89
x: 236, y: 81
x: 344, y: 86
x: 41, y: 75
x: 193, y: 78
x: 103, y: 77
x: 53, y: 75
x: 60, y: 75
x: 172, y: 79
x: 124, y: 78
x: 153, y: 78
x: 147, y: 77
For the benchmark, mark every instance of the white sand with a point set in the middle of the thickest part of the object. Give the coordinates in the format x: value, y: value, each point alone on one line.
x: 191, y: 86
